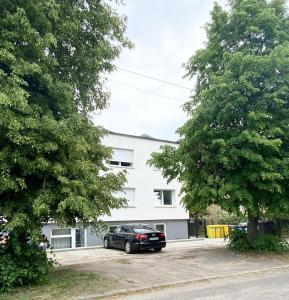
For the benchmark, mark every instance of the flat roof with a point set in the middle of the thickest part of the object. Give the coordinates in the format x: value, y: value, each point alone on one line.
x: 142, y: 137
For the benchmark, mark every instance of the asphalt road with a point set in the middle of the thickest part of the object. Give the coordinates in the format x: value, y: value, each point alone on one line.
x: 255, y: 287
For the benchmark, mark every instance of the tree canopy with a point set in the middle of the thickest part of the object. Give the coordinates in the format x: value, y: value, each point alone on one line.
x: 234, y: 148
x: 53, y: 54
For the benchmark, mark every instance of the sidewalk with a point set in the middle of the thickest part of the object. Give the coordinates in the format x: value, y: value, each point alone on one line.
x: 116, y: 294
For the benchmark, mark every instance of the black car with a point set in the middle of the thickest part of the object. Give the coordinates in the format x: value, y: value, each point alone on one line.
x: 133, y: 237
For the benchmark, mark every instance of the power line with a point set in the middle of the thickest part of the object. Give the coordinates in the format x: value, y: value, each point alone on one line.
x: 153, y: 78
x: 146, y: 91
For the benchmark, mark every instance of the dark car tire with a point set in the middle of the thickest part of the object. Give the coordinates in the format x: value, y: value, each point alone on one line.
x: 158, y: 249
x: 106, y: 244
x: 128, y: 248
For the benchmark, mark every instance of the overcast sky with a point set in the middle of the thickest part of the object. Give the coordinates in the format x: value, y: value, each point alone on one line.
x: 165, y: 34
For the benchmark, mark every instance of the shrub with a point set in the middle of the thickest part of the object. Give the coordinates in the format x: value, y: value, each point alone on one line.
x: 264, y: 242
x: 268, y: 242
x: 238, y: 241
x: 285, y: 229
x: 22, y: 264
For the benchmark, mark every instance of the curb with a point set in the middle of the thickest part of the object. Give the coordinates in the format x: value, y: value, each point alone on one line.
x: 128, y: 292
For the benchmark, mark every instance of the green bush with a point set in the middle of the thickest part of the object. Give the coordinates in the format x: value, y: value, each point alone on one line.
x: 269, y: 242
x: 264, y: 242
x: 238, y: 241
x: 285, y: 229
x: 22, y: 264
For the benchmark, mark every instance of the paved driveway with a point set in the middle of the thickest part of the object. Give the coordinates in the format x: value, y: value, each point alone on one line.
x: 94, y: 255
x: 178, y: 263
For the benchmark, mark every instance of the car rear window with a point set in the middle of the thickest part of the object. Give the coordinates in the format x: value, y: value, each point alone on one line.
x: 142, y: 228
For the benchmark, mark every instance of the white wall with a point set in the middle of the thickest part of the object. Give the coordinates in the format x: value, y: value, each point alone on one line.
x: 144, y: 179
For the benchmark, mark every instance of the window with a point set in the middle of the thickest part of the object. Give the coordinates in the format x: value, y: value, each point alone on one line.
x: 61, y: 231
x: 161, y: 227
x: 79, y: 237
x: 125, y: 229
x: 129, y: 195
x: 122, y: 157
x: 142, y: 228
x: 112, y: 228
x: 64, y: 238
x: 163, y: 197
x: 117, y: 229
x: 61, y: 238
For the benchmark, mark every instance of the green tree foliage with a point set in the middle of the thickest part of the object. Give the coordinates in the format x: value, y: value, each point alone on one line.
x: 21, y: 264
x: 263, y: 243
x: 52, y: 163
x: 234, y: 148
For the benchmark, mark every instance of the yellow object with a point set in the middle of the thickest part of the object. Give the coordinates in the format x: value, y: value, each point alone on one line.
x: 217, y: 231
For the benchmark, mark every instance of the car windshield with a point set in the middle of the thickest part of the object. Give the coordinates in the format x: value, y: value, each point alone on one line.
x: 140, y: 228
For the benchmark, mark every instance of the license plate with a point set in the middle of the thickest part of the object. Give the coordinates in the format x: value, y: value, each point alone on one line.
x: 154, y: 239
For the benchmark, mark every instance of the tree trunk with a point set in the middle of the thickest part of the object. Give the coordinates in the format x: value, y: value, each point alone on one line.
x: 196, y: 227
x: 252, y: 228
x: 205, y: 228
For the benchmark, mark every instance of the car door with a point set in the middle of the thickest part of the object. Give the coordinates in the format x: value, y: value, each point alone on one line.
x: 122, y: 236
x: 114, y: 237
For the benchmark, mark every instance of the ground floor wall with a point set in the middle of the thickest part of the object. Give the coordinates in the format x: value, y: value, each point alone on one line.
x: 66, y: 238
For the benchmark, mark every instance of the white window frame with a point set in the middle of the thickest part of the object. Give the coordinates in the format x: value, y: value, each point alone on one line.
x: 62, y: 236
x: 72, y: 235
x: 165, y: 227
x: 134, y: 205
x: 118, y: 165
x: 122, y: 194
x: 162, y: 198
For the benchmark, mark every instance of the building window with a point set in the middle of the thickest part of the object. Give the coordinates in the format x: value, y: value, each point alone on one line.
x: 79, y: 237
x: 161, y: 227
x: 129, y: 195
x: 61, y: 238
x: 65, y: 238
x: 122, y: 158
x: 163, y: 197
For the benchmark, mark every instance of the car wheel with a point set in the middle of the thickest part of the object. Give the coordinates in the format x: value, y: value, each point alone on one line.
x: 158, y: 249
x: 128, y: 248
x: 106, y: 243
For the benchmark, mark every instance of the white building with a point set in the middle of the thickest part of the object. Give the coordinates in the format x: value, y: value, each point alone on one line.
x: 151, y: 199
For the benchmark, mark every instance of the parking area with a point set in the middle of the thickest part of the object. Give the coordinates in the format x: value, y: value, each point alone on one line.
x: 178, y: 262
x: 94, y: 255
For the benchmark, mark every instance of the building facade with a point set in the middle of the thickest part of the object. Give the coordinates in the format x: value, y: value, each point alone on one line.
x: 150, y: 199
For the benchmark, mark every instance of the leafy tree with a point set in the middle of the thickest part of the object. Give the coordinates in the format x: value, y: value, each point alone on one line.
x: 234, y: 149
x: 52, y: 163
